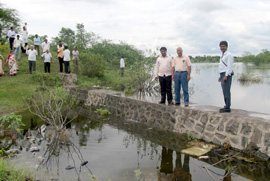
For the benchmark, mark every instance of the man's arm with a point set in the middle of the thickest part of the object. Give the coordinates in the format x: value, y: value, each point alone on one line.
x: 189, y: 72
x: 173, y: 70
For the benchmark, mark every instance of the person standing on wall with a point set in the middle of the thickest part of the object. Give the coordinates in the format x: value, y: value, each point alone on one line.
x: 122, y: 66
x: 75, y: 58
x: 45, y: 46
x: 11, y: 35
x: 163, y: 73
x: 181, y: 69
x: 60, y: 57
x: 66, y: 54
x: 17, y: 47
x: 37, y: 44
x: 226, y: 72
x: 32, y: 57
x: 47, y: 57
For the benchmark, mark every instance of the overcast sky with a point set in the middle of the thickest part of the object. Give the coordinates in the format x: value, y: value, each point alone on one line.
x: 196, y: 25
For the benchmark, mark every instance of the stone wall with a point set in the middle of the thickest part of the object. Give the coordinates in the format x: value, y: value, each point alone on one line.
x: 240, y: 129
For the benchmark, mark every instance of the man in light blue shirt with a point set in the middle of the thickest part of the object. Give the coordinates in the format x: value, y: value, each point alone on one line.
x: 226, y: 73
x: 37, y: 44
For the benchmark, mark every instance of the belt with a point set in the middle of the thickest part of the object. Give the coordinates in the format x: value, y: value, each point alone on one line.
x: 180, y: 71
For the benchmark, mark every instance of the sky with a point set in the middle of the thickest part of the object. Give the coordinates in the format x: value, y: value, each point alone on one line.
x: 195, y: 25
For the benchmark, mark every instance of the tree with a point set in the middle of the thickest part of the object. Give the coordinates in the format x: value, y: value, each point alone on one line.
x: 8, y: 18
x: 67, y: 36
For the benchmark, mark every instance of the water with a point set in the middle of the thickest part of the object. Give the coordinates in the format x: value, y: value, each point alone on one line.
x: 121, y: 150
x: 205, y: 89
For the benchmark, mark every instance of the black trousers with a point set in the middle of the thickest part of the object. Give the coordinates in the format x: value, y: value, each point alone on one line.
x: 61, y: 61
x: 11, y: 42
x: 47, y: 67
x: 166, y: 88
x: 226, y: 89
x: 32, y: 64
x: 67, y: 68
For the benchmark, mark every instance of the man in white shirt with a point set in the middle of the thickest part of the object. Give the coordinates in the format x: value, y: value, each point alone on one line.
x: 47, y: 57
x: 66, y: 55
x: 32, y: 57
x: 164, y: 74
x: 11, y: 35
x: 17, y: 47
x: 45, y: 46
x: 226, y: 73
x: 122, y: 66
x: 24, y: 39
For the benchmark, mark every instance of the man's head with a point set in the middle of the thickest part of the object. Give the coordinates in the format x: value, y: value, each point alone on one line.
x: 11, y: 28
x: 60, y: 42
x: 66, y: 47
x: 47, y: 51
x: 75, y: 48
x: 163, y: 51
x: 24, y: 28
x: 60, y: 45
x: 32, y: 47
x: 18, y: 36
x: 36, y: 35
x: 46, y: 40
x: 179, y: 51
x: 223, y: 45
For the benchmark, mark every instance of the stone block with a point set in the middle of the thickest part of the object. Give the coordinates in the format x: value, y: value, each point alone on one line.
x: 216, y: 141
x: 234, y: 141
x: 215, y: 121
x: 220, y: 136
x: 267, y: 140
x: 210, y: 128
x: 189, y: 123
x: 244, y: 141
x: 166, y: 116
x: 232, y: 127
x: 256, y: 136
x: 221, y: 127
x: 204, y: 119
x: 246, y: 129
x: 199, y: 128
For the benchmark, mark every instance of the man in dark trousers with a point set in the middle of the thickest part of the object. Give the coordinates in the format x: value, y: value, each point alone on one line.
x: 226, y: 72
x: 163, y: 72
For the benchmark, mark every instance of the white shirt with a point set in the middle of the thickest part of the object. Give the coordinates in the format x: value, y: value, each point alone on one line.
x: 11, y: 34
x: 122, y: 63
x: 25, y: 36
x: 163, y: 66
x: 32, y: 55
x: 66, y: 54
x: 226, y: 63
x: 45, y: 46
x: 17, y: 43
x: 47, y: 57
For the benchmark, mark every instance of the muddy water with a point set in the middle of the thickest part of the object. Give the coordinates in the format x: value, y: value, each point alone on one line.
x: 121, y: 150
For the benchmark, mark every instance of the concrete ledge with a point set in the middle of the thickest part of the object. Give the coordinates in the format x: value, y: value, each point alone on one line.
x: 239, y: 128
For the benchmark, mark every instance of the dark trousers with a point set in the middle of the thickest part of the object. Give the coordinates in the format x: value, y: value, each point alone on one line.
x: 32, y: 64
x: 67, y: 68
x: 24, y: 48
x: 166, y: 88
x: 47, y: 67
x: 122, y: 72
x: 61, y: 61
x: 226, y: 88
x: 11, y: 42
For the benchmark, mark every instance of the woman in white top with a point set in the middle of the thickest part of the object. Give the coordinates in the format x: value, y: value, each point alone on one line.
x: 66, y: 55
x: 75, y: 58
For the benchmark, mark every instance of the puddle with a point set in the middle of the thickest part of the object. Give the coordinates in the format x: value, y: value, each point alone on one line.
x: 119, y: 151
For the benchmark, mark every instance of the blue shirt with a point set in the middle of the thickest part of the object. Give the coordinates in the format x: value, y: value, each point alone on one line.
x: 37, y: 41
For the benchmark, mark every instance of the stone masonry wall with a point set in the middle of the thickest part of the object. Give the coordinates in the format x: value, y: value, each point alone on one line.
x: 239, y: 128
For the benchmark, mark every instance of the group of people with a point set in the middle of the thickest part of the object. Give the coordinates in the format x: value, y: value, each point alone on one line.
x: 179, y: 70
x: 17, y: 45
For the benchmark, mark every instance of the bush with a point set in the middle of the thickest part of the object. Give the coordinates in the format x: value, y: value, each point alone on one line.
x: 92, y: 65
x: 49, y: 79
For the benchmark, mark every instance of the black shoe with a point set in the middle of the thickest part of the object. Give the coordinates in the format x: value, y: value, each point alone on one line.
x: 176, y: 103
x: 160, y: 102
x: 224, y: 110
x: 170, y: 103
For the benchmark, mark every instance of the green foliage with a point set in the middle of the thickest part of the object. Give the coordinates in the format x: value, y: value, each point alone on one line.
x: 11, y: 122
x: 10, y: 173
x: 103, y: 112
x: 67, y: 36
x: 92, y: 65
x: 248, y: 77
x: 9, y: 18
x: 204, y: 59
x: 48, y: 79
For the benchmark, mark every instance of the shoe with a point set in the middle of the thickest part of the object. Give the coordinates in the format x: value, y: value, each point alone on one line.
x: 186, y: 104
x: 176, y: 103
x: 224, y: 110
x: 160, y: 102
x: 170, y: 103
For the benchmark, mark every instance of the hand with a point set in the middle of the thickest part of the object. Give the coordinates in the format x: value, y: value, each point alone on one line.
x: 156, y: 78
x: 225, y: 78
x: 188, y: 77
x: 172, y: 77
x: 219, y: 79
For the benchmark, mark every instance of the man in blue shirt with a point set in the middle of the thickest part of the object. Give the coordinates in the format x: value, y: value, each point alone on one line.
x: 37, y: 44
x: 226, y: 73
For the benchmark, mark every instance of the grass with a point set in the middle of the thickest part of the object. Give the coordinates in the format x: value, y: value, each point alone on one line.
x: 244, y: 77
x: 10, y: 173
